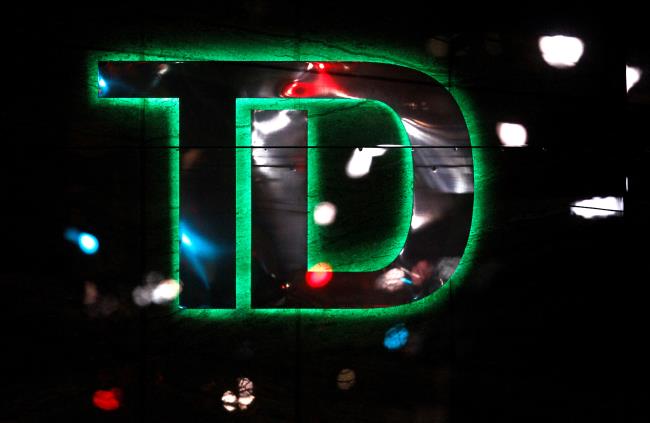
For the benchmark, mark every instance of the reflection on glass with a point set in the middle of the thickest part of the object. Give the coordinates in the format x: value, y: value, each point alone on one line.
x: 598, y: 207
x: 363, y: 137
x: 361, y: 160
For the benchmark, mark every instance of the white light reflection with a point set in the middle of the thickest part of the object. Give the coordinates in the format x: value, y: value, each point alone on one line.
x: 598, y: 207
x: 561, y: 51
x: 260, y: 129
x: 257, y: 140
x: 142, y: 296
x: 281, y: 120
x: 165, y: 292
x: 412, y: 129
x: 324, y: 213
x: 243, y: 400
x: 229, y: 400
x: 155, y: 291
x: 446, y: 267
x: 419, y: 220
x: 245, y: 386
x: 512, y: 134
x: 392, y: 280
x: 632, y: 76
x: 361, y: 160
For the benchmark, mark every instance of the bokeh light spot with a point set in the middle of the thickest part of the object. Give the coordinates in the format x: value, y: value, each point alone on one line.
x: 346, y: 379
x: 88, y: 243
x: 396, y: 337
x: 107, y: 400
x: 512, y: 134
x: 561, y: 51
x: 324, y: 213
x: 319, y: 275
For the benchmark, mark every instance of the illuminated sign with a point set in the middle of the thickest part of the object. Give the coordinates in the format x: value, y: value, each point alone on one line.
x: 311, y: 184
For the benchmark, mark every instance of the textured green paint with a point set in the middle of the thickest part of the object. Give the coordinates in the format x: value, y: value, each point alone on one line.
x: 374, y: 212
x: 238, y: 46
x: 332, y: 122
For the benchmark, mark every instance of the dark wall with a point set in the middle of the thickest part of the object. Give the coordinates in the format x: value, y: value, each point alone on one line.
x: 547, y: 326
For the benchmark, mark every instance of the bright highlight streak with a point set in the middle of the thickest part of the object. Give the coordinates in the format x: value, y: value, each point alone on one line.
x: 412, y: 129
x: 101, y: 82
x: 561, y: 51
x: 282, y: 120
x: 197, y: 250
x: 361, y: 160
x: 88, y: 243
x: 598, y: 207
x: 324, y: 213
x: 417, y: 221
x: 632, y: 76
x: 512, y: 134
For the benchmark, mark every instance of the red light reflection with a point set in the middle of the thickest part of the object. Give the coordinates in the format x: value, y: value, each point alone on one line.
x: 316, y: 84
x: 107, y: 400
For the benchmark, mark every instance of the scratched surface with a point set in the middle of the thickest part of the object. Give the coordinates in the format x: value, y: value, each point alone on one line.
x: 539, y: 326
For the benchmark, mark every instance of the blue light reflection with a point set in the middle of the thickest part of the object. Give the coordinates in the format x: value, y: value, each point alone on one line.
x: 198, y: 251
x: 102, y: 84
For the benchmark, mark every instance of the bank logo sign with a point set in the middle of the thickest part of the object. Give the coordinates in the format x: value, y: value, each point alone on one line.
x: 311, y: 185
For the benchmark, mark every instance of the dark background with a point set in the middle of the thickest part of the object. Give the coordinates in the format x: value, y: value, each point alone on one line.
x: 549, y: 326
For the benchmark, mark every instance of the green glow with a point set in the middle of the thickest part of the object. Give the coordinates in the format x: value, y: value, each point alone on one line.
x: 387, y: 129
x: 377, y: 243
x: 258, y: 47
